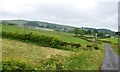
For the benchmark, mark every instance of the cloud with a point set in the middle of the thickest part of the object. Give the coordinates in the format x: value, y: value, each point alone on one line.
x: 78, y: 13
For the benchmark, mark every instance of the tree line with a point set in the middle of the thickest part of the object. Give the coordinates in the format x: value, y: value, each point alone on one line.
x: 81, y: 32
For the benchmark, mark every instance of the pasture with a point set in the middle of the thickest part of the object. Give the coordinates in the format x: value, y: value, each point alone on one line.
x: 112, y: 40
x: 20, y: 55
x: 42, y: 58
x: 67, y: 37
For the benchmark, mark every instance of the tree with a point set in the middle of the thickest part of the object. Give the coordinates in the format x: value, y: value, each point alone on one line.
x: 81, y: 32
x: 101, y: 34
x: 117, y: 33
x: 86, y: 32
x: 89, y: 32
x: 65, y: 28
x: 76, y: 31
x: 95, y: 31
x: 32, y: 24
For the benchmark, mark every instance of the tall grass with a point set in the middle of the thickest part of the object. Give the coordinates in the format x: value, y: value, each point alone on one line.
x: 15, y: 65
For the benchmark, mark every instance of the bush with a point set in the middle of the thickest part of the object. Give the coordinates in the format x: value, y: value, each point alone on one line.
x: 53, y: 63
x: 89, y: 46
x: 48, y: 41
x: 86, y: 39
x: 39, y: 39
x: 96, y: 47
x: 15, y: 65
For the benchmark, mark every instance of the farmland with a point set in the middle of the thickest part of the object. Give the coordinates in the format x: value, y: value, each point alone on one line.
x: 112, y: 40
x: 33, y: 56
x: 67, y: 37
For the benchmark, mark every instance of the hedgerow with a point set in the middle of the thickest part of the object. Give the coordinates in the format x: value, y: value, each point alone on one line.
x: 48, y: 41
x: 15, y: 65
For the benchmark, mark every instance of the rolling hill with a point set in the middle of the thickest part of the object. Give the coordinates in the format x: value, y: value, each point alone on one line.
x: 53, y: 26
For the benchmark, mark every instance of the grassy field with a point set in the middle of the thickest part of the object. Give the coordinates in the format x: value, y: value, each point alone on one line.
x: 19, y: 55
x: 67, y: 37
x: 38, y: 56
x: 32, y: 53
x: 113, y: 40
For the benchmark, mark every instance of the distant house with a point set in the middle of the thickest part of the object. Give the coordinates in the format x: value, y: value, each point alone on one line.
x: 107, y: 35
x: 117, y: 35
x: 41, y: 26
x: 112, y: 36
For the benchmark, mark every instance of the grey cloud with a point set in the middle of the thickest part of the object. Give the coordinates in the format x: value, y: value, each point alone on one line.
x: 66, y: 15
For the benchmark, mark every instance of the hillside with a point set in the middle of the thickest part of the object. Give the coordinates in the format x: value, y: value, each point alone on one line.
x: 30, y: 54
x: 53, y: 26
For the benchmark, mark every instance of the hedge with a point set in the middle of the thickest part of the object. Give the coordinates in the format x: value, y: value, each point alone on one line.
x: 43, y: 40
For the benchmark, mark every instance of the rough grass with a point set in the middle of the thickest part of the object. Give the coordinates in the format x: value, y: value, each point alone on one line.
x: 112, y: 40
x: 44, y: 58
x: 114, y: 44
x: 15, y: 65
x: 32, y: 53
x: 115, y: 48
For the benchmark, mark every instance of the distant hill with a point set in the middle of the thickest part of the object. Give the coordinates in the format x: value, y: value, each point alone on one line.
x: 15, y: 21
x: 40, y: 24
x: 52, y: 26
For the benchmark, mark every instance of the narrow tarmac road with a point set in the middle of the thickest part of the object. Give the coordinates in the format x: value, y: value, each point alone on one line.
x: 111, y: 59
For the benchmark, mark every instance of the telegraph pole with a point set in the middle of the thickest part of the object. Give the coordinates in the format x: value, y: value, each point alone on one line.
x: 24, y: 28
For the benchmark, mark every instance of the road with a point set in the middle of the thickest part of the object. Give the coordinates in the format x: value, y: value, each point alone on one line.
x: 110, y: 61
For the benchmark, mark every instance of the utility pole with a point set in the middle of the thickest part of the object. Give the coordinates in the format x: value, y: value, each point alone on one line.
x: 24, y: 28
x: 96, y: 35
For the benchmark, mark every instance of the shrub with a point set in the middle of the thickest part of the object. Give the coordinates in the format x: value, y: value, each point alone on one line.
x: 89, y: 46
x: 96, y: 47
x: 15, y: 65
x: 86, y: 39
x: 48, y: 41
x: 53, y: 63
x: 40, y: 39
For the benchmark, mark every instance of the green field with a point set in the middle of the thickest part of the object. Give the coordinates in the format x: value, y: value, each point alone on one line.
x: 67, y: 37
x: 32, y: 53
x: 35, y: 55
x: 20, y: 55
x: 113, y: 40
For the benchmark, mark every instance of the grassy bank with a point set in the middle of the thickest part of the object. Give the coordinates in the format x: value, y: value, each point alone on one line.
x: 49, y: 58
x: 22, y: 55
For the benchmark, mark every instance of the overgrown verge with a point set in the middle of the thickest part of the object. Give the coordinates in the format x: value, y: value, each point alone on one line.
x: 16, y: 65
x: 115, y: 48
x: 104, y: 41
x: 84, y: 60
x: 113, y: 44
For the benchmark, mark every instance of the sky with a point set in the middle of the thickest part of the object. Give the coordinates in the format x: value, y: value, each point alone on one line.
x: 77, y: 13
